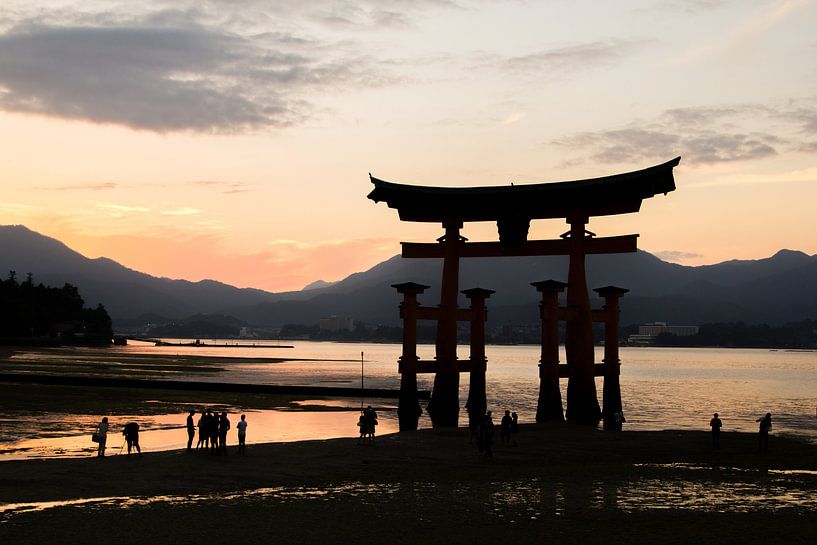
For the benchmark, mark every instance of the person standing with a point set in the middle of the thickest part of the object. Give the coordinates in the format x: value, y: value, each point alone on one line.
x: 763, y: 431
x: 223, y: 428
x: 486, y: 435
x: 242, y: 435
x: 716, y: 426
x: 202, y: 425
x: 102, y: 436
x: 212, y: 427
x: 514, y: 427
x: 131, y: 433
x: 191, y: 431
x: 505, y: 428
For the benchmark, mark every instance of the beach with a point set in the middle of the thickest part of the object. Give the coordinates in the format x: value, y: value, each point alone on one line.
x: 563, y: 482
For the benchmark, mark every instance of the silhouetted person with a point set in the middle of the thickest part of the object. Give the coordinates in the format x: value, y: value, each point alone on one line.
x: 223, y: 428
x: 212, y: 427
x: 486, y: 436
x: 102, y: 435
x: 763, y: 431
x: 191, y: 431
x: 367, y: 423
x: 618, y: 420
x: 361, y: 424
x: 716, y: 426
x: 505, y: 428
x: 202, y: 425
x: 514, y: 427
x: 372, y: 422
x: 242, y: 435
x: 131, y: 433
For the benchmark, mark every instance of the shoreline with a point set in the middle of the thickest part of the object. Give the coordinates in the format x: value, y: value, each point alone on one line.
x: 563, y: 484
x: 428, y: 454
x: 202, y: 386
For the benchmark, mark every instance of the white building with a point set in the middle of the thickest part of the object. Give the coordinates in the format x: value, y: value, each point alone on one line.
x: 648, y: 332
x: 655, y: 329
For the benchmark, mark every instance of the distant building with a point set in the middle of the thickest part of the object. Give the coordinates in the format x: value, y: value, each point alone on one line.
x: 648, y: 332
x: 336, y: 323
x: 247, y: 333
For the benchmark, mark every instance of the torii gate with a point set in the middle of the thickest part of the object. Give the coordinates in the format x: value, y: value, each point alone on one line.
x: 513, y: 207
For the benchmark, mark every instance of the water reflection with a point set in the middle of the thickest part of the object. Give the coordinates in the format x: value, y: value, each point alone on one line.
x: 662, y: 388
x: 511, y: 501
x: 167, y: 432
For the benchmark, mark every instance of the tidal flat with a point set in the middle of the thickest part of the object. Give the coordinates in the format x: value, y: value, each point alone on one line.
x: 563, y: 483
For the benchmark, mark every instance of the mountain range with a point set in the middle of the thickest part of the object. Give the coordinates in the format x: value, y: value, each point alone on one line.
x: 778, y: 289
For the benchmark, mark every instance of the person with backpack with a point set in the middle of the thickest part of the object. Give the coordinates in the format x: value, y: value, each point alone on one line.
x: 101, y: 436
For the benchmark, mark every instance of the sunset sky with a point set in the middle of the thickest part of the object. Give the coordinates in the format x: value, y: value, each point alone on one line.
x: 232, y: 139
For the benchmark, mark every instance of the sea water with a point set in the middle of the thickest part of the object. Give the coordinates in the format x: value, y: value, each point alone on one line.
x: 662, y: 388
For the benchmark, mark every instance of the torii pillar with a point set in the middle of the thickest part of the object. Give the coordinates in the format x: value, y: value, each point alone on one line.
x: 477, y: 397
x: 612, y: 364
x: 408, y: 408
x: 582, y: 402
x: 549, y: 406
x: 445, y: 398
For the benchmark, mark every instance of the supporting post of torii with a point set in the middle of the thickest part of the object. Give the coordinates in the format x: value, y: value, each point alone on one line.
x: 582, y: 403
x: 477, y: 400
x: 549, y: 406
x: 612, y: 364
x: 445, y: 396
x: 408, y: 408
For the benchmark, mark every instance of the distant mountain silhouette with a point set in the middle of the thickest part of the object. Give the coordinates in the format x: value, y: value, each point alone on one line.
x: 773, y: 290
x: 124, y: 292
x: 317, y: 284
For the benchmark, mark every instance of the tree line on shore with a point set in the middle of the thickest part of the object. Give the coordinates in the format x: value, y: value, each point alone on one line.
x: 38, y: 314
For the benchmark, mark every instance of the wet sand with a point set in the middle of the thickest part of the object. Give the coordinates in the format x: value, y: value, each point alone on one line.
x: 562, y: 483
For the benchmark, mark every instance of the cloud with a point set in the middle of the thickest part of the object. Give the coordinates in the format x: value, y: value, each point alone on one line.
x: 91, y: 186
x: 224, y: 187
x: 560, y: 61
x: 703, y: 135
x: 181, y: 212
x: 635, y: 144
x: 676, y: 255
x: 168, y: 73
x: 122, y: 207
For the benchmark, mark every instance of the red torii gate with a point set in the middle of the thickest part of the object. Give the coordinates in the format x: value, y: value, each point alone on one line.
x: 513, y: 207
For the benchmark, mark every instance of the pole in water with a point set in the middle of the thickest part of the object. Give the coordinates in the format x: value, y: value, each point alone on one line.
x: 361, y: 381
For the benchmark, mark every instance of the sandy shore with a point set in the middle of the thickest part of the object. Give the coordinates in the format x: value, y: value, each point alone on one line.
x: 562, y: 483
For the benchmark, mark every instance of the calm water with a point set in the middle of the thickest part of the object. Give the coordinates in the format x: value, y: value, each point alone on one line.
x: 662, y: 388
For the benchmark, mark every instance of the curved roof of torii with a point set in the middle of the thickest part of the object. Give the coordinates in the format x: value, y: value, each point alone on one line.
x: 608, y: 195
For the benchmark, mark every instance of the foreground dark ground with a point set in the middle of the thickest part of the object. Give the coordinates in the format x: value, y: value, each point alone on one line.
x: 561, y: 484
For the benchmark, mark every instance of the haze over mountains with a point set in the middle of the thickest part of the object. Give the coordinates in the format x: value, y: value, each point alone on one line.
x: 775, y: 290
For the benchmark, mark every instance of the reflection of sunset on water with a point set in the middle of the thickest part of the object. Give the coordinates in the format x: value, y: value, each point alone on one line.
x: 167, y: 432
x: 662, y: 388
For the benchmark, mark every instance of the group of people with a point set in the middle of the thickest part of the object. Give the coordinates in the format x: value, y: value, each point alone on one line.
x: 508, y: 432
x: 764, y: 428
x: 213, y: 428
x: 130, y: 431
x: 367, y: 424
